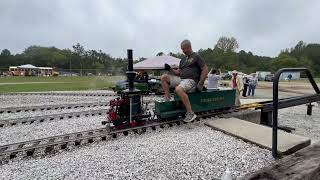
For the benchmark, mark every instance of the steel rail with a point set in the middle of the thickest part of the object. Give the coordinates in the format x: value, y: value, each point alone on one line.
x: 63, y: 94
x: 51, y: 107
x: 28, y: 148
x: 51, y: 117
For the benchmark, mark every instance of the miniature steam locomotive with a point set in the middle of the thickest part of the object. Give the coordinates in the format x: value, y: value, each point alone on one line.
x: 128, y: 110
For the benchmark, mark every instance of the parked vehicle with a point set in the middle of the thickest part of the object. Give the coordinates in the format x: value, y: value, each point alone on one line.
x: 65, y: 73
x: 269, y: 77
x: 261, y: 75
x: 226, y: 76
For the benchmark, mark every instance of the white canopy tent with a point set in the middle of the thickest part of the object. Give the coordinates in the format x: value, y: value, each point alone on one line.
x: 157, y: 63
x: 30, y: 69
x: 28, y: 66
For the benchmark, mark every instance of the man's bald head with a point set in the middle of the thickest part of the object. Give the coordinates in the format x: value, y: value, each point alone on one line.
x: 186, y: 42
x: 186, y: 47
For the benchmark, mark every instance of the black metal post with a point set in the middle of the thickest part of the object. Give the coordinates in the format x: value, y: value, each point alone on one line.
x: 275, y: 114
x: 313, y: 83
x: 309, y: 109
x: 70, y: 67
x: 130, y: 73
x: 276, y: 102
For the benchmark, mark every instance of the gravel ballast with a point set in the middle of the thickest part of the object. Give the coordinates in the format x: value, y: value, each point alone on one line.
x: 190, y: 151
x: 36, y: 100
x: 21, y: 133
x: 305, y: 125
x: 78, y: 92
x: 28, y: 114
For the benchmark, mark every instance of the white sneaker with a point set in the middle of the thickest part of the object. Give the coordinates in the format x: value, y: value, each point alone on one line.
x: 190, y: 116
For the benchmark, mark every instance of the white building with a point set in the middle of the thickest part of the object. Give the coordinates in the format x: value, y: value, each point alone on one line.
x: 295, y: 75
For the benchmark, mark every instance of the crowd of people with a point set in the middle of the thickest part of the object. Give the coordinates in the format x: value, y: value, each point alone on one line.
x: 249, y: 82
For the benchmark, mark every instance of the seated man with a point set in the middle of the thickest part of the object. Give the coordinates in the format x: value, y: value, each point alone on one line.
x: 191, y: 73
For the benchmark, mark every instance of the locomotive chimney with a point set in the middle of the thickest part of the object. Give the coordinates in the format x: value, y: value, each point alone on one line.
x: 130, y: 60
x: 130, y: 73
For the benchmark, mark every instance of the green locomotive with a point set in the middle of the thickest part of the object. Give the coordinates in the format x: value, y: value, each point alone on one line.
x: 128, y: 111
x: 205, y: 101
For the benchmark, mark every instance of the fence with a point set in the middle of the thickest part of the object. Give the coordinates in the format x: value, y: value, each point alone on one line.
x: 79, y: 72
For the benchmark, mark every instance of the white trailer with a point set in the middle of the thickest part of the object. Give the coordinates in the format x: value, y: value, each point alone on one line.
x: 294, y: 75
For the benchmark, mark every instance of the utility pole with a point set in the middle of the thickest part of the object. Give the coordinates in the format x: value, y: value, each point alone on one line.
x: 70, y: 65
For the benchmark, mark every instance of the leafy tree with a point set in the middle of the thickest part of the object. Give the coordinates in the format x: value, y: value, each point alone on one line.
x: 227, y: 44
x: 160, y: 54
x: 177, y: 55
x: 5, y: 52
x: 284, y: 60
x: 79, y: 52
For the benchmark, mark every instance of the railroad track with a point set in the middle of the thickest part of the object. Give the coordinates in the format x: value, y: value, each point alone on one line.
x: 64, y: 94
x: 51, y: 107
x: 54, y: 143
x: 51, y: 117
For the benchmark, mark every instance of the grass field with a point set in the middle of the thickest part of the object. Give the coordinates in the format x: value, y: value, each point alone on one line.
x: 33, y: 84
x: 307, y: 80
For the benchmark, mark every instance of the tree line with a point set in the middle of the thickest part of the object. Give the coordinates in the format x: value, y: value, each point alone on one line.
x: 222, y: 55
x: 77, y: 60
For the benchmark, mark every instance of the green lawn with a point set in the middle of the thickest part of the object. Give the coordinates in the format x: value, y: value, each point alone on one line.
x: 28, y: 84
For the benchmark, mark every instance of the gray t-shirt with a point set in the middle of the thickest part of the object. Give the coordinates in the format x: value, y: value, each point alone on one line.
x: 191, y: 67
x: 213, y: 80
x: 253, y: 81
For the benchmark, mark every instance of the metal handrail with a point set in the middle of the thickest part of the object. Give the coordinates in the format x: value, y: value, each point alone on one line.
x: 276, y: 102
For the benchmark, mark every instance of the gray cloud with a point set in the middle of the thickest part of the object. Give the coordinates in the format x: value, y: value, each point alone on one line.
x: 263, y: 27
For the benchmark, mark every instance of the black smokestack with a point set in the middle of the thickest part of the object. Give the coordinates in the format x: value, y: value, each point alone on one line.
x: 130, y: 73
x: 130, y: 60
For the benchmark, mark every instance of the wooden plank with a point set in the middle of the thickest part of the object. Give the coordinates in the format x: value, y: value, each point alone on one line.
x: 304, y: 164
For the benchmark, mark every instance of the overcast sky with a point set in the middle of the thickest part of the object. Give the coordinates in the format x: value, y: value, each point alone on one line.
x: 263, y: 27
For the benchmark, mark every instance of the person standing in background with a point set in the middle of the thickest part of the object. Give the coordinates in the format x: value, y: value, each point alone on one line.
x: 245, y: 86
x: 253, y: 81
x: 236, y: 83
x: 213, y: 79
x: 289, y: 77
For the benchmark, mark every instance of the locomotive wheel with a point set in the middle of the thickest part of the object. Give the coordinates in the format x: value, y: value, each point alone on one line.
x: 125, y: 133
